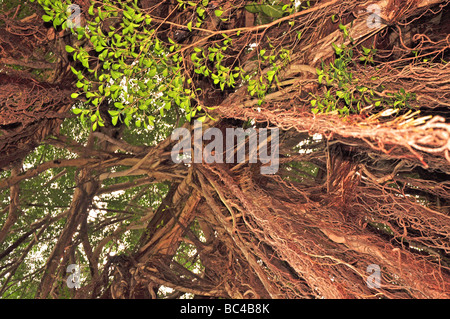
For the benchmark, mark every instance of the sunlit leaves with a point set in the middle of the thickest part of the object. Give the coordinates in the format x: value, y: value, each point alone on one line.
x: 126, y: 64
x: 46, y: 18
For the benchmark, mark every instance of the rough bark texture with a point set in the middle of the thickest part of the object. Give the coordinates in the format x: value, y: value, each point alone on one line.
x: 380, y: 194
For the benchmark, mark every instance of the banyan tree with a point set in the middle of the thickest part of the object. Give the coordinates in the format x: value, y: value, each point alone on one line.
x: 349, y: 100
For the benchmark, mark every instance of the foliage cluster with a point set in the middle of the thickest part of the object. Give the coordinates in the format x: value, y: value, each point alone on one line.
x: 119, y: 60
x: 345, y: 95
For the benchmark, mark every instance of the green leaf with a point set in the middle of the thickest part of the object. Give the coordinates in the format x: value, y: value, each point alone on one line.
x: 118, y: 105
x: 200, y: 11
x: 101, y: 14
x: 127, y: 121
x: 320, y: 78
x: 189, y: 26
x: 150, y: 121
x: 366, y: 50
x: 116, y: 74
x: 128, y: 15
x: 152, y: 72
x: 76, y: 111
x: 74, y: 95
x: 337, y: 49
x: 218, y: 13
x: 46, y: 18
x: 344, y: 29
x: 270, y: 75
x: 90, y: 94
x: 272, y: 11
x: 69, y: 49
